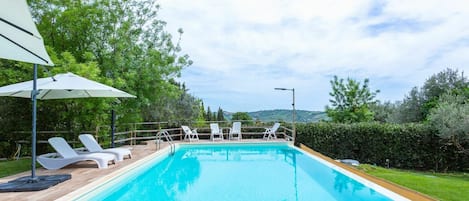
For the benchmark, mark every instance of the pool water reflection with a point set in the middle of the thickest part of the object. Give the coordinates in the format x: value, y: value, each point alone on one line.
x: 239, y: 172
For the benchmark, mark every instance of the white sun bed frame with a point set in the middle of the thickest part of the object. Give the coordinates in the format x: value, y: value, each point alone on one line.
x: 92, y: 146
x: 66, y: 155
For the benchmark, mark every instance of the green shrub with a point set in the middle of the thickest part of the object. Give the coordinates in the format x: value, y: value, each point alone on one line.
x: 411, y: 146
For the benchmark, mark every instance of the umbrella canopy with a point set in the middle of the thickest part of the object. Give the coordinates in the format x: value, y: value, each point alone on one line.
x: 20, y: 41
x: 19, y: 38
x: 62, y: 86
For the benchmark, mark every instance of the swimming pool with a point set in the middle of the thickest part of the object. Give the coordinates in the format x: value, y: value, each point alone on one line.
x: 232, y: 172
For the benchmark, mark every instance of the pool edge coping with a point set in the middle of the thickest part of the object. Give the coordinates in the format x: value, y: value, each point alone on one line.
x: 398, y: 189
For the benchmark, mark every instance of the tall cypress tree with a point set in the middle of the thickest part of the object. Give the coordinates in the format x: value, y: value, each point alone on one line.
x: 220, y: 116
x: 208, y: 116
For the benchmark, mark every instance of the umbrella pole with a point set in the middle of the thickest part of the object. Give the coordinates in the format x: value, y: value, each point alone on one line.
x: 113, y: 126
x: 33, y: 133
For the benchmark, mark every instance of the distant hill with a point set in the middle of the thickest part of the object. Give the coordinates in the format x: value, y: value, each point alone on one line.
x: 285, y: 115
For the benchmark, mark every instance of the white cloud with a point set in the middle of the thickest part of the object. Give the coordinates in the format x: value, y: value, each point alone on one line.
x: 243, y: 49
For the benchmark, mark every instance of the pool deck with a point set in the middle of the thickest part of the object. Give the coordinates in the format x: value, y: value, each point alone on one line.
x: 85, y: 173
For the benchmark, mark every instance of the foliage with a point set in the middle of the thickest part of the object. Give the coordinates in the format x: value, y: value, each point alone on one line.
x: 450, y: 186
x: 119, y: 43
x: 209, y: 115
x: 409, y: 110
x: 200, y: 121
x: 242, y: 116
x: 443, y: 82
x: 220, y: 116
x: 451, y: 119
x: 129, y: 44
x: 413, y: 146
x: 417, y: 105
x: 382, y: 111
x: 180, y: 106
x: 350, y: 101
x: 279, y: 115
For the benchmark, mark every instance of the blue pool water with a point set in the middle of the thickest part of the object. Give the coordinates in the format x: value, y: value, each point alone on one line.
x: 236, y: 173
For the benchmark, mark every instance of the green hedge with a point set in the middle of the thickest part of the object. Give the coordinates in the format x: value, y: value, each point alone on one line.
x: 410, y: 146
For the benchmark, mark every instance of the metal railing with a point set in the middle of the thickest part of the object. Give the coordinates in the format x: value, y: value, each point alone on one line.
x: 134, y: 133
x: 168, y: 138
x: 148, y: 131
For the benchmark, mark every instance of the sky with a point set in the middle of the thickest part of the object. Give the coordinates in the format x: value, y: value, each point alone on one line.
x: 243, y: 49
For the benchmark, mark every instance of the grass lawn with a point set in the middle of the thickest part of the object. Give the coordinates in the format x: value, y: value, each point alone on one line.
x: 11, y: 167
x: 442, y: 186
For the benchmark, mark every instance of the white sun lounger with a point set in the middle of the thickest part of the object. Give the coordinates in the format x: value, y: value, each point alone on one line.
x: 235, y: 131
x: 269, y: 133
x: 190, y: 135
x: 215, y: 132
x: 92, y: 146
x: 66, y: 155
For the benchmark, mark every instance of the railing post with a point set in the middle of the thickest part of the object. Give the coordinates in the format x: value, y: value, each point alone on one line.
x: 113, y: 127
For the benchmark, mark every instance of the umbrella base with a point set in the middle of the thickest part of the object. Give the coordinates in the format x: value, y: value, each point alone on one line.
x: 23, y: 184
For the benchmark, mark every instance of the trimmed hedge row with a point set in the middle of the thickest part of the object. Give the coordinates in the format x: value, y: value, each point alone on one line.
x: 408, y: 146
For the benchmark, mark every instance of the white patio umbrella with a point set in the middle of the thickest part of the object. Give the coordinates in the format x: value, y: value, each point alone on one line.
x: 19, y: 38
x: 62, y: 86
x: 21, y: 41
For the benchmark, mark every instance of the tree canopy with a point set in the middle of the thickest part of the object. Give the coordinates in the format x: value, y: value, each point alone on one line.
x: 416, y: 106
x: 350, y: 101
x: 451, y: 119
x: 243, y: 116
x: 123, y: 44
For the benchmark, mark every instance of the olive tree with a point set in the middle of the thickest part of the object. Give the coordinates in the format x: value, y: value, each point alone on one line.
x: 451, y: 119
x: 417, y: 105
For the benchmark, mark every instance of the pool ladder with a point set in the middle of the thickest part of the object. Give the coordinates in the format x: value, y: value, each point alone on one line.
x: 169, y: 139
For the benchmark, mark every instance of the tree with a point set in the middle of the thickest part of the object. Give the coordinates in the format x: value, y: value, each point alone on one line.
x: 417, y: 105
x: 220, y: 116
x: 243, y: 116
x: 130, y: 47
x: 123, y: 44
x: 214, y: 116
x: 208, y: 116
x: 200, y: 121
x: 351, y: 101
x: 445, y: 81
x: 187, y: 107
x: 382, y: 111
x: 451, y: 119
x: 409, y: 110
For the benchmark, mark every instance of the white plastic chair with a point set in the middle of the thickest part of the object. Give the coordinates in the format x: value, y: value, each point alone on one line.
x: 215, y: 132
x: 92, y: 146
x: 235, y: 131
x: 190, y: 135
x: 66, y: 155
x: 269, y: 133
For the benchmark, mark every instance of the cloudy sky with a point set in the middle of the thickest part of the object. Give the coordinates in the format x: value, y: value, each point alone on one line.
x: 243, y: 49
